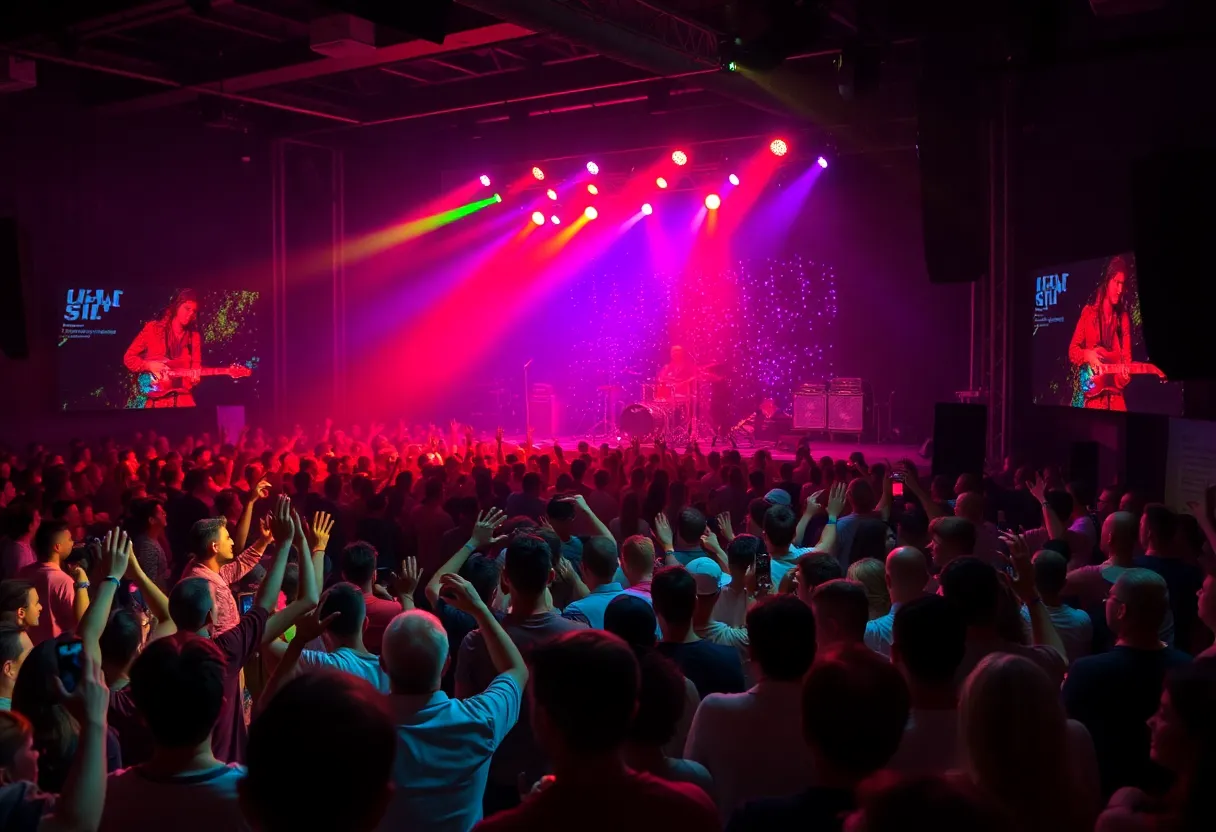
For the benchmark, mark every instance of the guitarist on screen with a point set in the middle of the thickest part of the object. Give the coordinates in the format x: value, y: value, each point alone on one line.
x: 167, y: 357
x: 1102, y: 344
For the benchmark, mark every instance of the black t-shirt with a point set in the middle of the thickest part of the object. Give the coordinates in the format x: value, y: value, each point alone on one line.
x: 820, y: 810
x: 1183, y: 581
x: 457, y: 624
x: 1113, y: 695
x: 713, y: 668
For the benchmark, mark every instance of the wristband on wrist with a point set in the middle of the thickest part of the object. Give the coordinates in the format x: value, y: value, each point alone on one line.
x: 115, y: 581
x: 832, y: 520
x: 82, y: 585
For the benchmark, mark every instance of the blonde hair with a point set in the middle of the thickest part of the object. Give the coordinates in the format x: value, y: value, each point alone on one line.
x: 1014, y: 736
x: 871, y: 574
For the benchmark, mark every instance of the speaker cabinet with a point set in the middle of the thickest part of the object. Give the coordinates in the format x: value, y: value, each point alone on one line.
x: 14, y: 341
x: 810, y: 411
x: 959, y: 438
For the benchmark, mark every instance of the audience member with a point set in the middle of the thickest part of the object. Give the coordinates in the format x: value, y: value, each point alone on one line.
x: 727, y: 729
x: 211, y: 549
x: 841, y: 613
x: 599, y: 566
x: 871, y: 574
x: 21, y: 522
x: 890, y: 802
x: 637, y: 566
x: 844, y: 752
x: 905, y: 574
x: 19, y: 604
x: 1019, y: 746
x: 584, y: 697
x: 65, y: 596
x: 662, y: 702
x: 1158, y: 537
x: 736, y: 597
x: 357, y: 564
x: 15, y: 645
x: 1074, y: 626
x: 1113, y: 694
x: 713, y: 668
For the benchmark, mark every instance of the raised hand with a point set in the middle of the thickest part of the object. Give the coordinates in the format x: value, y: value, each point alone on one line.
x: 836, y: 500
x: 662, y: 530
x: 498, y: 436
x: 1023, y: 565
x: 265, y: 531
x: 580, y: 502
x: 565, y: 570
x: 116, y: 553
x: 487, y: 522
x: 1039, y: 489
x: 406, y: 584
x: 281, y: 525
x: 322, y: 526
x: 460, y: 594
x: 725, y: 530
x: 710, y: 540
x: 90, y: 700
x: 311, y: 627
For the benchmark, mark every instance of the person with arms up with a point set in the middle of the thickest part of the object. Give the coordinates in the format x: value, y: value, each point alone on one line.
x: 444, y: 745
x: 598, y: 568
x: 211, y: 549
x: 526, y: 575
x: 584, y: 697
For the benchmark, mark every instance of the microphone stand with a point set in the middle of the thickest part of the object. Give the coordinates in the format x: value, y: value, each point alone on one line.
x: 527, y: 401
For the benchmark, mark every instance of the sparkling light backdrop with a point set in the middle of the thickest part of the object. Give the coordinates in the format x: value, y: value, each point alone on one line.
x: 769, y: 321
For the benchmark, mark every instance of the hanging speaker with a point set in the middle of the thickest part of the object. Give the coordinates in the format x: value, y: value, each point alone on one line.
x: 960, y: 433
x: 13, y: 337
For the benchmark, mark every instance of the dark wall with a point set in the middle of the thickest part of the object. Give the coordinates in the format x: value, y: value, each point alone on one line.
x: 99, y: 204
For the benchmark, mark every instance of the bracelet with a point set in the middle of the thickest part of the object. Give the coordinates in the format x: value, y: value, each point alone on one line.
x: 831, y: 520
x: 79, y: 585
x: 117, y: 581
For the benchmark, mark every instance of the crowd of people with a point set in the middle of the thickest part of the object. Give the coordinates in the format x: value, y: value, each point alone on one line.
x: 444, y: 632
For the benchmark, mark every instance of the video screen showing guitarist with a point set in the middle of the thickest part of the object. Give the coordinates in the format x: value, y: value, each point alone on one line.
x: 1101, y: 346
x: 167, y: 357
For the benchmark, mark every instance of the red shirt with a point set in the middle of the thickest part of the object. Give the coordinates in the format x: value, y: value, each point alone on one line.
x: 631, y: 801
x: 1088, y: 336
x: 379, y: 613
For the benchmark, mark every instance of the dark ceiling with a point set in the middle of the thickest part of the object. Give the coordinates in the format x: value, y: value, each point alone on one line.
x: 248, y: 64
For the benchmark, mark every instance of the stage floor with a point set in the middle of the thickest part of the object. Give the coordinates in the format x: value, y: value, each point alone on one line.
x: 873, y: 452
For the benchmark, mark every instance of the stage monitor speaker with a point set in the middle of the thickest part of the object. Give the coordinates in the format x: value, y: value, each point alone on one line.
x: 1173, y: 217
x: 960, y: 433
x: 14, y: 341
x: 952, y: 153
x: 846, y: 414
x: 810, y: 411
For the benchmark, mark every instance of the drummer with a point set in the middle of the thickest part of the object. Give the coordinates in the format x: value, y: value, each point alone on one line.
x: 679, y: 372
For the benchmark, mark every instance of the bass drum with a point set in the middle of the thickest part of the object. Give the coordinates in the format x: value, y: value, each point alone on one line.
x: 644, y: 420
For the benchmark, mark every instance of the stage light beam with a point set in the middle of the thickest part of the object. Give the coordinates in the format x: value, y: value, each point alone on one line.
x: 593, y: 168
x: 779, y: 147
x: 734, y: 180
x: 661, y: 182
x: 538, y: 218
x: 538, y: 174
x: 822, y: 162
x: 552, y: 194
x: 646, y: 209
x: 713, y: 201
x: 591, y: 189
x: 590, y: 212
x: 680, y: 158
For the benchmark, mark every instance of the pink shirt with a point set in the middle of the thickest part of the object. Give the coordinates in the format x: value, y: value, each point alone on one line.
x: 56, y: 591
x: 15, y: 555
x: 226, y: 613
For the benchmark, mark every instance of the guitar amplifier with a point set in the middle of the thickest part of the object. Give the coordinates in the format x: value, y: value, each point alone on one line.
x: 846, y: 406
x: 542, y: 410
x: 811, y: 407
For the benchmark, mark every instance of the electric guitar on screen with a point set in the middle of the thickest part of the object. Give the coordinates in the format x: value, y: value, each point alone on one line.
x: 1093, y: 381
x: 181, y: 378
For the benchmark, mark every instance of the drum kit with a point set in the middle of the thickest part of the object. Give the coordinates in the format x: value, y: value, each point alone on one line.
x: 672, y: 412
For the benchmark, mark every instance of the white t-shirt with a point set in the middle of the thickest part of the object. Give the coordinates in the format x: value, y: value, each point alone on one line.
x: 731, y: 606
x: 1075, y: 627
x: 205, y: 801
x: 752, y: 744
x: 348, y: 661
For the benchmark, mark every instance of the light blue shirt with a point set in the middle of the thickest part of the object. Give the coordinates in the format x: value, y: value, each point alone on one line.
x: 878, y: 632
x: 591, y: 609
x: 443, y: 756
x: 779, y: 566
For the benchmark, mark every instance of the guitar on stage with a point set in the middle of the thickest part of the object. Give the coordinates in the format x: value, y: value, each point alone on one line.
x: 178, y: 381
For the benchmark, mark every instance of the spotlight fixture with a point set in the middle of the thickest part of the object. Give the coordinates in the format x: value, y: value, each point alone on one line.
x: 734, y: 180
x: 498, y: 197
x: 680, y: 158
x: 593, y: 168
x: 732, y: 66
x: 552, y: 194
x: 485, y: 180
x: 646, y: 209
x: 822, y: 162
x: 590, y: 213
x: 661, y: 182
x: 713, y: 201
x: 538, y: 218
x: 553, y: 219
x: 779, y: 147
x: 538, y: 174
x: 591, y: 189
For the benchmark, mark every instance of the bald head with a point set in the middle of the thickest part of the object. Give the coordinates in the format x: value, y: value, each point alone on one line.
x: 970, y: 506
x: 1141, y: 602
x: 1120, y: 533
x: 414, y: 652
x: 907, y: 573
